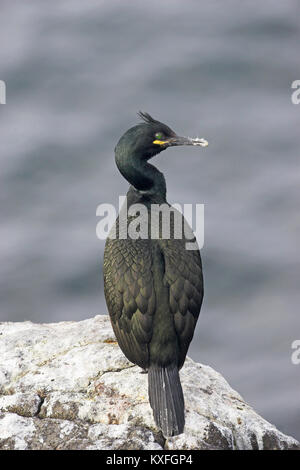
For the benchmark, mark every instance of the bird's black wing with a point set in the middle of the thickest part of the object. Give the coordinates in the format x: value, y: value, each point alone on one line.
x: 183, y: 275
x: 130, y: 296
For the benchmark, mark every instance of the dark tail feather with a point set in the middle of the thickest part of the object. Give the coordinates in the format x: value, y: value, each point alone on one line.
x: 166, y: 399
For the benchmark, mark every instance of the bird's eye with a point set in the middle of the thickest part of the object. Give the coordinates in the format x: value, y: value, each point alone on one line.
x: 159, y: 136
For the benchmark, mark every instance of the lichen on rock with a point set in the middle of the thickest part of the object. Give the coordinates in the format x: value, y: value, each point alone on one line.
x: 67, y: 385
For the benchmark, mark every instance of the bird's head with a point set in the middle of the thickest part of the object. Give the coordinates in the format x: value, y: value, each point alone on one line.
x: 152, y: 137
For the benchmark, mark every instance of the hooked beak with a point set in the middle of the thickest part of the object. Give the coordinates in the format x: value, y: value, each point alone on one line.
x: 187, y: 141
x: 177, y: 140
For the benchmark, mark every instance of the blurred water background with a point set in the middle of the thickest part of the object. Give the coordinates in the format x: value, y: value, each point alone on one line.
x: 76, y: 74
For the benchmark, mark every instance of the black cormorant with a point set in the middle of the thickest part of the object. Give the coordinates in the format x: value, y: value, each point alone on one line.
x: 153, y: 287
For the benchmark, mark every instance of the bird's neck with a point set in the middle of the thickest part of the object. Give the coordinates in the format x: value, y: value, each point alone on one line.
x: 143, y: 176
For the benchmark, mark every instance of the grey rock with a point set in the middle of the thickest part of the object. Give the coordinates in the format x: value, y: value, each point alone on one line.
x: 67, y: 385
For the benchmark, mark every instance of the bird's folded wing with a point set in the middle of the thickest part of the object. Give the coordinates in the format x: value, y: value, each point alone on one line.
x: 183, y: 275
x: 130, y: 296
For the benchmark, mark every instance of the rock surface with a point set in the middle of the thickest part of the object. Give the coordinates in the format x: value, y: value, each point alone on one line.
x: 68, y: 386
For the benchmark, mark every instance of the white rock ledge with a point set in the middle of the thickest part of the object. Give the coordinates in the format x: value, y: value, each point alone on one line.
x: 67, y: 385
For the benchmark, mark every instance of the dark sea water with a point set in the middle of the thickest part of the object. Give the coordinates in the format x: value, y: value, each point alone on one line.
x: 76, y: 74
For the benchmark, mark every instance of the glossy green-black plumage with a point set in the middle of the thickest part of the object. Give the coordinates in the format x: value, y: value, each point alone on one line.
x: 154, y: 292
x: 153, y: 288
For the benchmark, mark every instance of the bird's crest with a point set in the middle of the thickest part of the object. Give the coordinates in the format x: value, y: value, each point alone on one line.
x: 147, y: 118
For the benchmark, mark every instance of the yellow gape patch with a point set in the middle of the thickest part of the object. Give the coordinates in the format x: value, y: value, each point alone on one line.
x: 160, y: 142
